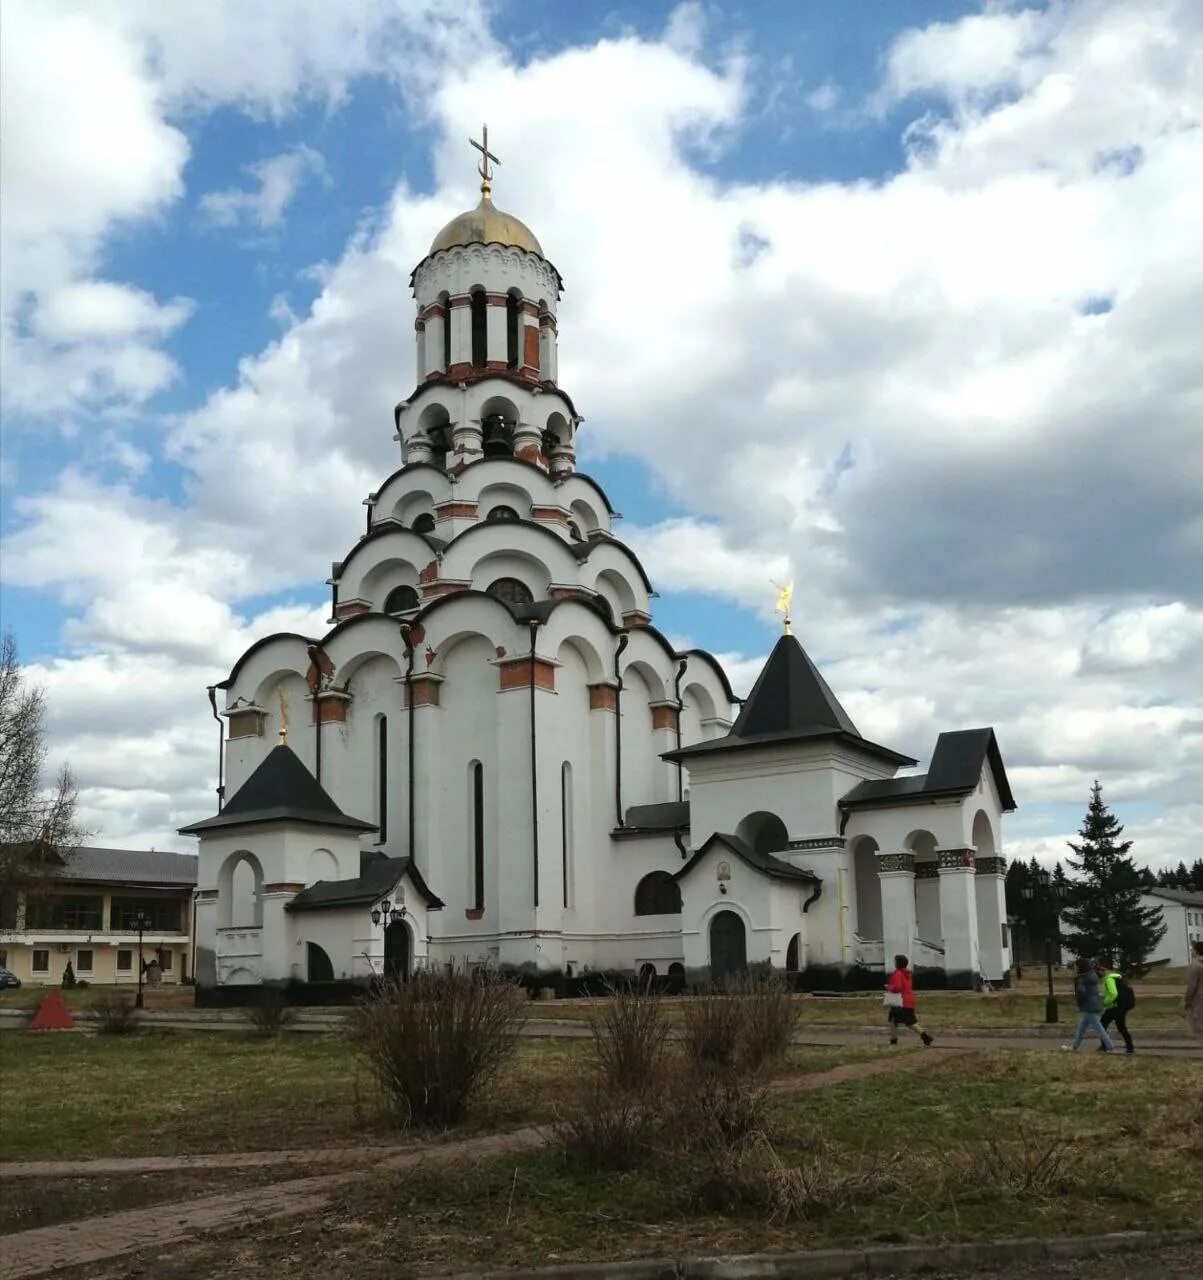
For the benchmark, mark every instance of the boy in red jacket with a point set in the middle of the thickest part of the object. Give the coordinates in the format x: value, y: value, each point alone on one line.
x: 903, y: 1015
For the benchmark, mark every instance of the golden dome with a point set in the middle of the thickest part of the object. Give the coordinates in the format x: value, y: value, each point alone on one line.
x: 486, y: 224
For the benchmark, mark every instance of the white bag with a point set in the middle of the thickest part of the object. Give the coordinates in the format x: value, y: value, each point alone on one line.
x: 893, y: 1000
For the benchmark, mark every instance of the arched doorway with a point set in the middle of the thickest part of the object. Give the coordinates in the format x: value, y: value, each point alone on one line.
x: 397, y: 951
x: 792, y: 953
x: 317, y: 964
x: 728, y: 945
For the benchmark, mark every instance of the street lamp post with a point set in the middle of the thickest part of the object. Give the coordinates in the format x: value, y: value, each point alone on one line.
x: 1050, y: 895
x: 141, y: 919
x: 384, y: 910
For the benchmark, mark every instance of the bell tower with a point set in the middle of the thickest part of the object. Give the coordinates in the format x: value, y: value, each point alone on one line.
x: 485, y: 328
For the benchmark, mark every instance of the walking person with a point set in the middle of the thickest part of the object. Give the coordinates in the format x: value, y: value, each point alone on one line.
x: 1118, y: 1000
x: 1194, y: 991
x: 1089, y: 999
x: 900, y: 1000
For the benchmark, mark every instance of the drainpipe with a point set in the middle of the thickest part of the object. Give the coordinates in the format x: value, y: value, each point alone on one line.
x: 407, y: 641
x: 679, y: 842
x: 221, y: 748
x: 317, y: 739
x: 623, y: 640
x: 677, y: 694
x: 534, y: 769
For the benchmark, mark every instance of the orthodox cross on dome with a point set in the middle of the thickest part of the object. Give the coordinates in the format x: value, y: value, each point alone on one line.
x: 785, y: 596
x: 486, y: 174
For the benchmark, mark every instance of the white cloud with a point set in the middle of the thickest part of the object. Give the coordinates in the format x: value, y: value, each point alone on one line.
x: 279, y: 179
x: 988, y: 500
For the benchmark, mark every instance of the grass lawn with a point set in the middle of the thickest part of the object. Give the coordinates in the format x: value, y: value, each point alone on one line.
x: 72, y: 1095
x: 159, y: 997
x: 947, y: 1157
x: 938, y: 1009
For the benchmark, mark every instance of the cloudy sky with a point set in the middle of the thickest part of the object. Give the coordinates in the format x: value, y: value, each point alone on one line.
x: 901, y: 301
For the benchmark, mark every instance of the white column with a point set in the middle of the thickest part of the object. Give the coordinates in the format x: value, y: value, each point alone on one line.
x: 467, y: 443
x: 958, y: 916
x: 528, y: 443
x: 990, y: 886
x: 896, y: 872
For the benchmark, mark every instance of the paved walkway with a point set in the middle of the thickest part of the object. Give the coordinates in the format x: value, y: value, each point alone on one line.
x: 91, y: 1240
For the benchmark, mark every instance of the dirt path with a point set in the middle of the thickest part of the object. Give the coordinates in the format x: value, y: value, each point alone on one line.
x: 91, y: 1240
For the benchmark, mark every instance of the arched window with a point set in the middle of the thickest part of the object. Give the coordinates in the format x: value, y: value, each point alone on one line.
x: 445, y: 303
x: 480, y: 328
x: 792, y: 953
x: 477, y: 772
x: 566, y: 833
x: 763, y: 832
x: 657, y: 894
x: 500, y: 513
x: 574, y: 531
x: 647, y: 975
x: 382, y: 779
x: 401, y: 600
x: 511, y: 591
x: 423, y: 523
x: 513, y: 311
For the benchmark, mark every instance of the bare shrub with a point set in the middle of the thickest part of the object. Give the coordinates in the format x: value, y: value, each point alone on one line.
x: 611, y: 1130
x: 708, y: 1110
x: 434, y: 1042
x: 629, y: 1033
x: 115, y: 1014
x: 1027, y: 1163
x: 269, y: 1013
x: 746, y: 1023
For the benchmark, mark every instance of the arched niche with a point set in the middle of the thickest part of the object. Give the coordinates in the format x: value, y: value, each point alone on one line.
x: 321, y: 865
x: 409, y: 506
x: 616, y: 591
x: 514, y: 564
x: 579, y: 653
x: 585, y: 516
x: 506, y: 495
x: 763, y: 832
x: 240, y: 891
x: 867, y: 887
x: 983, y: 835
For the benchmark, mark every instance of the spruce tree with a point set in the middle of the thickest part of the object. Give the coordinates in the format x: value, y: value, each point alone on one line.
x: 1104, y: 916
x: 1196, y: 875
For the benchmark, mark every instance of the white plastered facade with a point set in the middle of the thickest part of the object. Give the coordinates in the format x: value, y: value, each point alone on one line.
x: 493, y: 699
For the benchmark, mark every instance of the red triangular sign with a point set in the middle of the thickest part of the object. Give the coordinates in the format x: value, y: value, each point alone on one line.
x: 52, y: 1014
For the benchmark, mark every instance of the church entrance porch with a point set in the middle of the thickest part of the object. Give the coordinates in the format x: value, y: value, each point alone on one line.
x: 728, y: 945
x: 398, y: 951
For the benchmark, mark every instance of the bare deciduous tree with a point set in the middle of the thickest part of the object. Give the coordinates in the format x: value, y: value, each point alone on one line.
x: 38, y: 825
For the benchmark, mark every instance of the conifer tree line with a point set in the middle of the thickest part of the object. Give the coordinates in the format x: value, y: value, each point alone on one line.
x: 1101, y: 915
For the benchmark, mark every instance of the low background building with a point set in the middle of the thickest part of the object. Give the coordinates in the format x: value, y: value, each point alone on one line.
x: 85, y: 913
x: 1182, y: 914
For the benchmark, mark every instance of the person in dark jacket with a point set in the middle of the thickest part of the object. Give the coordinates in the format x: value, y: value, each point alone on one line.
x: 1118, y: 998
x: 1089, y: 998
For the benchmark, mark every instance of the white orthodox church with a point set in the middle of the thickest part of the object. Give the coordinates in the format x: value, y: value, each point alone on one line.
x: 494, y: 757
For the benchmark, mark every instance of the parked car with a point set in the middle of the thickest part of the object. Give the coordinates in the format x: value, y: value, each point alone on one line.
x: 8, y: 978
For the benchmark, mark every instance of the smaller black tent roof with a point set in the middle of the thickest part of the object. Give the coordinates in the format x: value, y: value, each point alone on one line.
x: 281, y: 789
x: 765, y: 863
x: 378, y: 875
x: 790, y: 702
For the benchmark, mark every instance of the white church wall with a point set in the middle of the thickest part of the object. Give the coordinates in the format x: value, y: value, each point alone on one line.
x: 640, y: 767
x: 891, y: 827
x: 749, y: 894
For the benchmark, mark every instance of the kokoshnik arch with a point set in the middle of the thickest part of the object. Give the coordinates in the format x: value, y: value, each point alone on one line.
x: 500, y: 744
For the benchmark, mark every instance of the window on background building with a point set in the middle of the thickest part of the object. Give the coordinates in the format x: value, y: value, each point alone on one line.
x: 165, y: 960
x: 3, y: 959
x: 162, y: 915
x: 52, y: 912
x: 511, y: 591
x: 401, y: 600
x: 500, y: 513
x: 41, y: 960
x: 125, y: 960
x: 83, y: 961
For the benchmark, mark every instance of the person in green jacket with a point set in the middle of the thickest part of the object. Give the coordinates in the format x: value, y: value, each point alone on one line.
x: 1117, y: 1000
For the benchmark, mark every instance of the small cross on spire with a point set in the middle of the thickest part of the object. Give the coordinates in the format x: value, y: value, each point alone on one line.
x: 486, y: 174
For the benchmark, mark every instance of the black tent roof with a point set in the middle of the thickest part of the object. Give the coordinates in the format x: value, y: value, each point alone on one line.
x: 956, y: 766
x: 378, y: 875
x: 281, y: 789
x: 790, y: 702
x: 766, y: 863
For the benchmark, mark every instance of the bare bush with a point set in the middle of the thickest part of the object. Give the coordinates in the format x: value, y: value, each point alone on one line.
x: 434, y: 1042
x: 269, y: 1013
x: 611, y: 1130
x: 1026, y: 1163
x: 747, y: 1023
x: 115, y: 1014
x: 714, y: 1111
x: 629, y: 1033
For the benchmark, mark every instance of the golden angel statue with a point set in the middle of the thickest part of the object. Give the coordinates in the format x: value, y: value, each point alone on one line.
x: 785, y: 596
